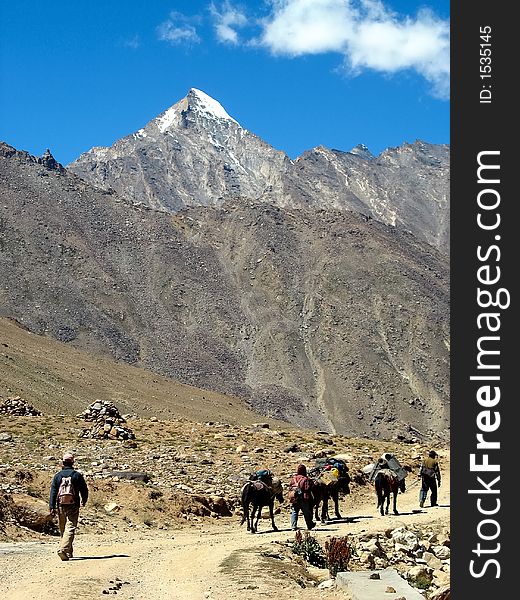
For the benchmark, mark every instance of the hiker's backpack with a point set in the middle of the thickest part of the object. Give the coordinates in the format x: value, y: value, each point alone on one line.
x: 66, y: 493
x: 295, y: 494
x: 298, y: 488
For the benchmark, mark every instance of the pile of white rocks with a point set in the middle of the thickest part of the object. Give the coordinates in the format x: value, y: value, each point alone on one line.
x: 107, y: 422
x: 422, y: 557
x: 16, y: 406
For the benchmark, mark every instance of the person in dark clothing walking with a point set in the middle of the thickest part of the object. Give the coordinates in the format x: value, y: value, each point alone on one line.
x: 430, y: 475
x: 65, y: 501
x: 300, y: 496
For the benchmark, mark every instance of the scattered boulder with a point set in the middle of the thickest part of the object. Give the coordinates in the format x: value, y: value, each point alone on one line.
x: 443, y: 593
x: 108, y: 422
x: 131, y: 475
x: 432, y: 561
x: 292, y: 448
x: 440, y: 578
x: 111, y: 507
x: 32, y: 513
x: 18, y: 407
x: 404, y: 539
x: 442, y: 552
x: 325, y: 585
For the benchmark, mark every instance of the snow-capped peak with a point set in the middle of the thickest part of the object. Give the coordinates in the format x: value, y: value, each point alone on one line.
x: 208, y: 105
x: 197, y: 101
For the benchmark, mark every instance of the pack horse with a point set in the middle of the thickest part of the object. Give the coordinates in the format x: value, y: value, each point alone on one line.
x: 261, y: 490
x: 330, y: 479
x: 387, y: 484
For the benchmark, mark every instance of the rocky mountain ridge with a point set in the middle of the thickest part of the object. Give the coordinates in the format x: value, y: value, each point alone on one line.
x: 195, y: 154
x: 322, y: 317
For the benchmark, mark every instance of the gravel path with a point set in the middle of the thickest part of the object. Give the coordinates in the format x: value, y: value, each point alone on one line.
x: 216, y: 561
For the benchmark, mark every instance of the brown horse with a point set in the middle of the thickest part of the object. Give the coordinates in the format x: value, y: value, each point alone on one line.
x: 386, y: 482
x: 258, y: 494
x: 323, y: 490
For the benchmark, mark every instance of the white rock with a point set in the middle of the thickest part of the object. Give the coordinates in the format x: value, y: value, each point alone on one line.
x: 440, y: 578
x: 442, y: 552
x: 405, y: 539
x: 326, y: 584
x: 432, y: 561
x: 111, y: 507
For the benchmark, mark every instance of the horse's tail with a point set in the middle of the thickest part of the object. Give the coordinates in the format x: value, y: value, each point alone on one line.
x: 245, y: 497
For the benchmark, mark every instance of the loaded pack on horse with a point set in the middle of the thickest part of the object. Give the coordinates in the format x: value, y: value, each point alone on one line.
x: 330, y: 478
x: 260, y: 490
x: 389, y: 479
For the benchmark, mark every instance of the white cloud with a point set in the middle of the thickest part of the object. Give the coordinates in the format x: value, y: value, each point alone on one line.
x: 366, y: 33
x: 134, y: 42
x: 177, y: 30
x: 299, y: 27
x: 226, y: 20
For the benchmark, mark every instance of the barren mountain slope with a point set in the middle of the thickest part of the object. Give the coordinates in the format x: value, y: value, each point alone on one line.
x: 58, y: 379
x: 326, y: 319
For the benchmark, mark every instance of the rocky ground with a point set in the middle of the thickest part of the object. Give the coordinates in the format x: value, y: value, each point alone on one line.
x: 186, y: 481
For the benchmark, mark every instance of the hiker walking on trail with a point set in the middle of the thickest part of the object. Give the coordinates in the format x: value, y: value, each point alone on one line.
x: 300, y: 496
x: 430, y: 475
x: 68, y: 491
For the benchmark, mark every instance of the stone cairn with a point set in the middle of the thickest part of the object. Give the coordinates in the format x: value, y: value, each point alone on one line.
x: 16, y: 406
x: 107, y: 422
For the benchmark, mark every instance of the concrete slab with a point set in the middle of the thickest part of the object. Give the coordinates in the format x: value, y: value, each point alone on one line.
x: 359, y: 585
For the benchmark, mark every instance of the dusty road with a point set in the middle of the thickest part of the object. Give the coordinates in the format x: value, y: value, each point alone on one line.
x: 218, y: 561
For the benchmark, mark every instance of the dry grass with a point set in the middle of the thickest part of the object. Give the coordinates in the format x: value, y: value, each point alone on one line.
x: 58, y: 379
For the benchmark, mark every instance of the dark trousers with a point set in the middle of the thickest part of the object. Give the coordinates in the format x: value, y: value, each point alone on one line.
x: 305, y: 506
x: 428, y: 484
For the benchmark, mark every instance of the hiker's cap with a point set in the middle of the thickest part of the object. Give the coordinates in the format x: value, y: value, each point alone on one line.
x: 68, y: 457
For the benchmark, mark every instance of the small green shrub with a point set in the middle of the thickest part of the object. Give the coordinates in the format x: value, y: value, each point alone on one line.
x: 422, y: 582
x: 309, y: 548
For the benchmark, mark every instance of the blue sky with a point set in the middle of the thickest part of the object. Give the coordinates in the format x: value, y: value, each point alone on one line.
x: 298, y: 73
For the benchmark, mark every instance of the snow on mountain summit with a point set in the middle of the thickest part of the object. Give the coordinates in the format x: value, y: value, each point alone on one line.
x: 208, y: 105
x: 198, y: 102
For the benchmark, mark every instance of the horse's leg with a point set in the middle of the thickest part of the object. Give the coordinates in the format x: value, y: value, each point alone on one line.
x: 395, y: 503
x: 271, y: 514
x: 253, y: 514
x: 325, y: 509
x: 335, y: 496
x: 258, y: 515
x: 387, y: 502
x: 380, y: 498
x: 245, y: 517
x: 250, y: 512
x: 318, y: 498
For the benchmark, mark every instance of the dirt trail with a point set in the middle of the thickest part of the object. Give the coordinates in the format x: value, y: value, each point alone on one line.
x: 218, y: 561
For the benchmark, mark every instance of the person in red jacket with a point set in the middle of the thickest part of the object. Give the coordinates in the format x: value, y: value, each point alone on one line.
x: 300, y: 495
